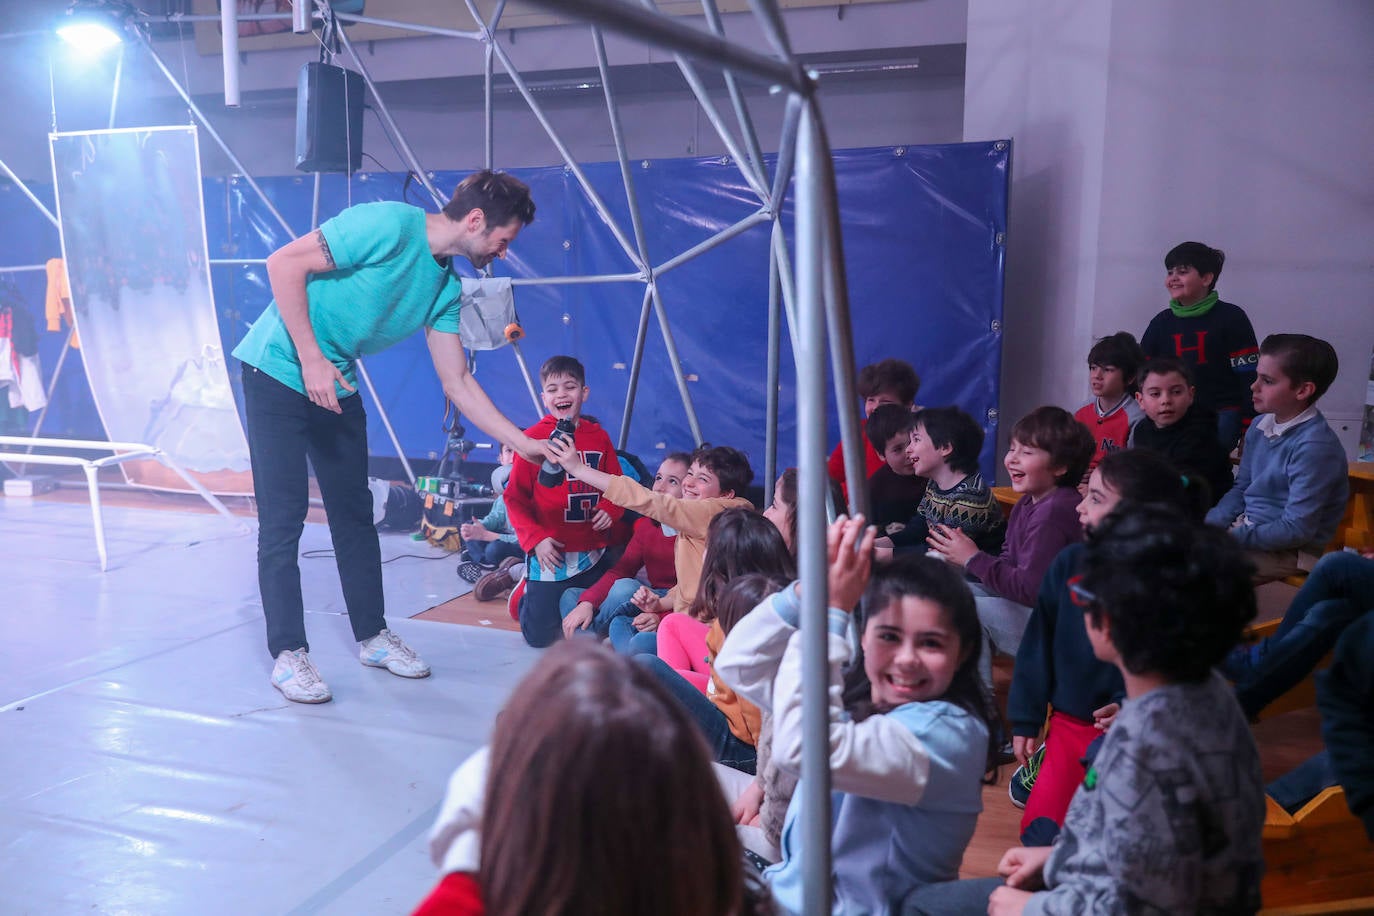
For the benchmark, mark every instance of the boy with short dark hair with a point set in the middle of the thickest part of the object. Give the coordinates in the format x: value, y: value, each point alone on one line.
x: 894, y: 490
x: 1178, y: 427
x: 943, y: 448
x: 1169, y: 816
x: 1049, y: 451
x: 1213, y: 337
x: 716, y: 475
x: 1111, y: 414
x: 564, y: 528
x: 890, y: 381
x: 1291, y: 489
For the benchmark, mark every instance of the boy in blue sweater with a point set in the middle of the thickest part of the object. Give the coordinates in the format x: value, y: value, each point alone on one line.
x: 1291, y: 489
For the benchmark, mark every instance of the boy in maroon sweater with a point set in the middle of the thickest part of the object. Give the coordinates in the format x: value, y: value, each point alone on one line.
x: 1049, y: 452
x: 563, y: 528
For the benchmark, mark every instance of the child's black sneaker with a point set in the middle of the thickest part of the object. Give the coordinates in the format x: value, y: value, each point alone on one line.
x: 469, y: 571
x: 1023, y: 778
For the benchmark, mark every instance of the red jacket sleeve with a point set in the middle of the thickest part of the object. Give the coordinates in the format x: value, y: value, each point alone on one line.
x: 519, y: 495
x: 458, y: 894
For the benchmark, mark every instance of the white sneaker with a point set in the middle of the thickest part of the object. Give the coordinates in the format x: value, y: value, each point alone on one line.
x: 385, y: 650
x: 295, y: 676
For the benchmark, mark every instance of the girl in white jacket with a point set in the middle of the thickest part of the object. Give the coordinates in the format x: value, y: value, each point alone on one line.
x: 908, y: 757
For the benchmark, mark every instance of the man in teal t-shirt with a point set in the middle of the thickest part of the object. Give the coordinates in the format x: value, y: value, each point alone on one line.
x: 366, y: 279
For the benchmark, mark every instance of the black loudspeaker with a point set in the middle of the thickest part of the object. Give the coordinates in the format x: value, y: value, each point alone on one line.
x: 329, y: 119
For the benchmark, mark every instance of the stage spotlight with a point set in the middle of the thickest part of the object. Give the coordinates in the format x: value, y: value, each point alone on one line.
x: 93, y: 26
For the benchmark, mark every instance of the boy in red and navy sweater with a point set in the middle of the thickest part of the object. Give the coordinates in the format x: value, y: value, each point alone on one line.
x: 565, y: 528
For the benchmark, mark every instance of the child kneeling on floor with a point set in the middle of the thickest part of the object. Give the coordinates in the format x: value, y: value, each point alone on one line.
x: 907, y: 760
x: 1168, y: 818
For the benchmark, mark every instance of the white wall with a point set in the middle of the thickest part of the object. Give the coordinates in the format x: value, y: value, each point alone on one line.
x: 1248, y: 125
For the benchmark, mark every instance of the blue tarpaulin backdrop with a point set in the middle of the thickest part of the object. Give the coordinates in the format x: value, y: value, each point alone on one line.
x: 923, y: 239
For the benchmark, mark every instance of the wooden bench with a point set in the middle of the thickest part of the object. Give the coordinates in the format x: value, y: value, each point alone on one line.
x: 1320, y: 854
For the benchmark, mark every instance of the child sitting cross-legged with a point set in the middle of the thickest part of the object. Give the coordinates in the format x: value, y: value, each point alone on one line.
x: 907, y: 758
x: 1168, y: 819
x: 943, y: 447
x: 608, y: 607
x: 1056, y: 667
x: 1049, y: 450
x: 492, y: 541
x: 1291, y: 489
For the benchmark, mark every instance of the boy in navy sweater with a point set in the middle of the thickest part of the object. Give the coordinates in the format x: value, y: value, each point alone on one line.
x: 1214, y: 338
x: 1293, y: 481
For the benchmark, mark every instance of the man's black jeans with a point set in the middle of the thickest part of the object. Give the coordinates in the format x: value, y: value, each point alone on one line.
x: 284, y: 428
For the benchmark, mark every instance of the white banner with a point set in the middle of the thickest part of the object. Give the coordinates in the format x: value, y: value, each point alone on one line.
x: 133, y: 235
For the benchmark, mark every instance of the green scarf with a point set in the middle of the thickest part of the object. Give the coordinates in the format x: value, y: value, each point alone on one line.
x: 1197, y: 309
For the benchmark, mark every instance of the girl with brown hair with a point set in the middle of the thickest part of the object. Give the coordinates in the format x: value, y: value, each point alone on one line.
x: 596, y: 795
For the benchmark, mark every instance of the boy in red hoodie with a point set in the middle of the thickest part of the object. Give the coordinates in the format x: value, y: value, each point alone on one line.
x: 564, y: 528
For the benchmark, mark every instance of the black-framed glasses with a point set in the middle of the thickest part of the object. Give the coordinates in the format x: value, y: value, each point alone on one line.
x: 1079, y: 595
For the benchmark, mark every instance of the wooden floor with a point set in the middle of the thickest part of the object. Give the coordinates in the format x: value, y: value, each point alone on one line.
x: 1284, y: 741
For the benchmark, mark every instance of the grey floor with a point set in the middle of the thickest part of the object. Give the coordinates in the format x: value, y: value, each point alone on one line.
x: 148, y: 767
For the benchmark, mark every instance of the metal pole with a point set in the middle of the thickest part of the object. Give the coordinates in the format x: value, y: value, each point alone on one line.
x: 386, y: 421
x: 787, y: 148
x: 315, y: 204
x: 529, y: 381
x: 496, y: 15
x: 19, y: 183
x: 621, y: 155
x: 789, y: 293
x: 746, y: 123
x: 751, y: 177
x: 23, y: 268
x: 811, y: 549
x: 568, y: 159
x: 406, y: 152
x: 838, y: 326
x: 772, y: 378
x: 656, y: 29
x: 724, y: 235
x: 229, y: 40
x: 114, y: 93
x: 410, y: 26
x: 676, y: 362
x: 214, y: 135
x: 488, y: 58
x: 770, y: 18
x: 568, y: 281
x: 636, y: 361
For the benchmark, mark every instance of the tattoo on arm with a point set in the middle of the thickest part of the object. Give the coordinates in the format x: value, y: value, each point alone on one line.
x: 324, y: 247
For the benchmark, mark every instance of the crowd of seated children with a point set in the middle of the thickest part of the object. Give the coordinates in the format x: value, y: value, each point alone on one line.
x: 1213, y: 337
x: 739, y: 542
x: 596, y: 795
x: 1113, y: 365
x: 1291, y: 488
x: 894, y: 490
x: 1179, y: 428
x: 1156, y: 825
x: 891, y: 381
x: 564, y: 528
x: 491, y: 541
x: 907, y: 760
x: 943, y: 445
x: 1056, y: 668
x: 608, y: 609
x: 1049, y: 450
x: 714, y: 477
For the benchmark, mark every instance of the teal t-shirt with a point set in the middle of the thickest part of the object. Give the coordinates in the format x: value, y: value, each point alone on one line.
x: 386, y: 286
